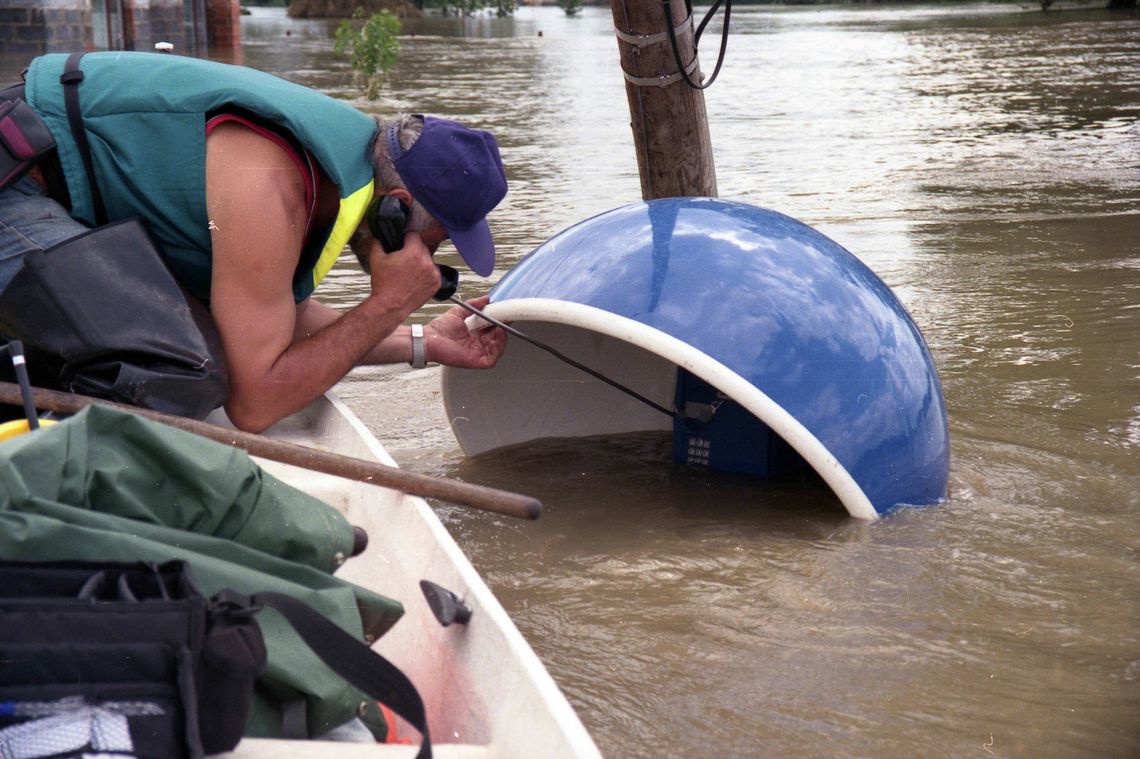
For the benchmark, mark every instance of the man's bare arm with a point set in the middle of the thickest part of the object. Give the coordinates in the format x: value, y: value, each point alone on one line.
x: 446, y: 338
x: 313, y: 316
x: 255, y: 200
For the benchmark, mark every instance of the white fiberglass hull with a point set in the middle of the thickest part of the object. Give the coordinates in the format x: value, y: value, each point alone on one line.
x: 485, y: 691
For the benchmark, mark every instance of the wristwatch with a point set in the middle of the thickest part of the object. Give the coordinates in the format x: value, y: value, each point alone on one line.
x: 419, y: 355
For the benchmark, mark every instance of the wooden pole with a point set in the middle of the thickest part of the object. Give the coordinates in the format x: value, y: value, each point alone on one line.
x: 670, y: 129
x: 362, y: 470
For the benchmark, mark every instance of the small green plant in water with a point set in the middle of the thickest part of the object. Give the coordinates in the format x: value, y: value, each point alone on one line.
x: 570, y: 7
x: 373, y: 47
x: 502, y: 8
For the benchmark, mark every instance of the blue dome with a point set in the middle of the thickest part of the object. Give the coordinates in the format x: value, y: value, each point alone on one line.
x: 770, y: 313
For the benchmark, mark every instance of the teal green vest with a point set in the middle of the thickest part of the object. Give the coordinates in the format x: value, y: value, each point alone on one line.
x: 145, y: 117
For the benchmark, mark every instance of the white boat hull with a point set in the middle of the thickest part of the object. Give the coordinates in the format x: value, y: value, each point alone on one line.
x: 485, y: 691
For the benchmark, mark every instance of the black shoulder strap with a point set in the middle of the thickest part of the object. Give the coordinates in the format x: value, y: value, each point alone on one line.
x: 70, y: 80
x: 362, y: 667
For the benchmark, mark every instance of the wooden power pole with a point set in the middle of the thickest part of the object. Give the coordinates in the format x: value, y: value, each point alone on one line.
x: 670, y: 129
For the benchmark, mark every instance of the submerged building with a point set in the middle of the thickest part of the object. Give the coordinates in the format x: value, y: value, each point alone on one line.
x: 195, y: 27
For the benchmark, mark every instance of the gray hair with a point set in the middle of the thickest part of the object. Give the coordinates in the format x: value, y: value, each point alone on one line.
x: 408, y: 129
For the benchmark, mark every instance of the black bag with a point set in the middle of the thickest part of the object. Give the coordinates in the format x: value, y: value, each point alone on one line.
x: 101, y: 315
x: 130, y: 659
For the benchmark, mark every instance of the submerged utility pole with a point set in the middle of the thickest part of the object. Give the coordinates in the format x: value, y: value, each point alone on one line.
x: 670, y: 129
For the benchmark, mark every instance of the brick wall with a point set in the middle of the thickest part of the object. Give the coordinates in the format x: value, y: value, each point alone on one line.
x: 32, y: 27
x: 223, y: 25
x: 136, y: 24
x: 151, y: 21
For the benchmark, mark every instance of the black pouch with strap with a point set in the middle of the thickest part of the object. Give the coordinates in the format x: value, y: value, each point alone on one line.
x: 101, y: 315
x: 131, y: 659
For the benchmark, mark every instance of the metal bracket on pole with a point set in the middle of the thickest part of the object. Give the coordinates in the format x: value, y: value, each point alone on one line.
x: 662, y: 80
x: 642, y: 40
x: 670, y: 130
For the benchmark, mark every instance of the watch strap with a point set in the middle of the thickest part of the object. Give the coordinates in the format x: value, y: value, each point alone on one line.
x: 419, y: 354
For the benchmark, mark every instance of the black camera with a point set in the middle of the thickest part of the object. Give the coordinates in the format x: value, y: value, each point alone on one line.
x: 387, y: 220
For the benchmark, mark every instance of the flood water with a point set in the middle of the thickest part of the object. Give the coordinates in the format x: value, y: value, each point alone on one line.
x: 985, y: 162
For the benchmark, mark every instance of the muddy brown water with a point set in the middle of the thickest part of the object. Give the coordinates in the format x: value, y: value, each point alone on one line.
x: 984, y: 160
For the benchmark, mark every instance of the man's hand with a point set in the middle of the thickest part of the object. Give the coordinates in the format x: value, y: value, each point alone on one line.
x: 448, y: 342
x: 404, y: 279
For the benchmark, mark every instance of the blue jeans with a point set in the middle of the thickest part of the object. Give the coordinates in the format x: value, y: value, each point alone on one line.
x: 30, y: 221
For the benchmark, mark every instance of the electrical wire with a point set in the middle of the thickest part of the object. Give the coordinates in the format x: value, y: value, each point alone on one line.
x: 542, y: 346
x: 669, y: 25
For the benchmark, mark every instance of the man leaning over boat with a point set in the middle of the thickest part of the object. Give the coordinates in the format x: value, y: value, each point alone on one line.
x: 250, y: 187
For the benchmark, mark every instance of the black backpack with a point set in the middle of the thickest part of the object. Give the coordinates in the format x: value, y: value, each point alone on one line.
x: 136, y: 646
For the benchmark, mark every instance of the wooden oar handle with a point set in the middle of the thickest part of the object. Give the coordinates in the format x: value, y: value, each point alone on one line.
x: 362, y: 470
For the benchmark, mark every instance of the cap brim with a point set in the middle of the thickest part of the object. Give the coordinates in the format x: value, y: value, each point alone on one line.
x: 476, y: 247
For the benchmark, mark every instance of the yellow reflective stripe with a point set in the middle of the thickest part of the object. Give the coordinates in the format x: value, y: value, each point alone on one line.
x: 348, y: 219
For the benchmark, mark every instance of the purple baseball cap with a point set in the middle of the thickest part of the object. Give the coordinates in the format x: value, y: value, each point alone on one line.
x: 456, y: 174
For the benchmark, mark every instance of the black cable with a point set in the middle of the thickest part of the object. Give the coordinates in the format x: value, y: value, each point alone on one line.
x: 696, y: 38
x: 592, y: 372
x: 704, y: 22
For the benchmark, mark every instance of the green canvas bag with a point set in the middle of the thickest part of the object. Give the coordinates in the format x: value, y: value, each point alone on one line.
x: 108, y: 485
